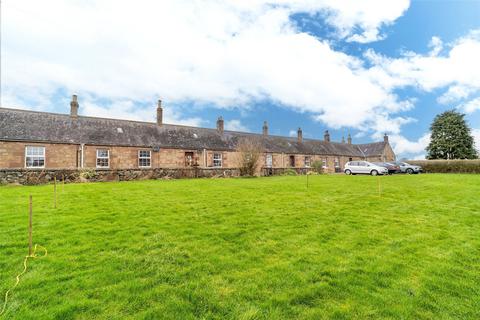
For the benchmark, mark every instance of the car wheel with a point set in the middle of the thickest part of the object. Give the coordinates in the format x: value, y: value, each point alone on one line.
x: 348, y: 172
x: 409, y: 171
x: 374, y: 172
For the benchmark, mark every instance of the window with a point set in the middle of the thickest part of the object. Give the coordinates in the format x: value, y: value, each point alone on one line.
x: 324, y: 162
x: 34, y: 157
x: 144, y: 158
x: 337, y: 163
x: 268, y: 160
x: 307, y: 162
x: 103, y: 157
x: 217, y: 159
x: 189, y: 159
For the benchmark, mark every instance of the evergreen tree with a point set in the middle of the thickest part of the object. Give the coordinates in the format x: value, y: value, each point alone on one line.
x: 451, y: 138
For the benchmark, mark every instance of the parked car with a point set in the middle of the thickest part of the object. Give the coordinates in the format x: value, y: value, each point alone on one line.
x: 408, y: 168
x: 365, y: 167
x: 392, y: 168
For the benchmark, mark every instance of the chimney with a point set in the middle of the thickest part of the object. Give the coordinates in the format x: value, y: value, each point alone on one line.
x: 385, y: 138
x: 326, y: 136
x: 159, y: 113
x: 74, y: 106
x: 343, y: 139
x: 349, y: 139
x: 220, y: 125
x: 265, y: 128
x: 299, y: 135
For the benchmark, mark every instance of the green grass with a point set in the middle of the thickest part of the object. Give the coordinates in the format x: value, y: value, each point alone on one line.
x: 266, y: 248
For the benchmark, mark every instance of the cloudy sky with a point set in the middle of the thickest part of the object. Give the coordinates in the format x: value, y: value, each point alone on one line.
x: 359, y: 67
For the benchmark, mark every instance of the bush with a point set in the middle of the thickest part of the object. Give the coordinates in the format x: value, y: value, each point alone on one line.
x: 448, y: 166
x: 250, y: 149
x: 317, y: 166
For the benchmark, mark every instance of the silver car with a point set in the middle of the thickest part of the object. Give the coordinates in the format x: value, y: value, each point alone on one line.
x: 365, y: 167
x: 408, y: 168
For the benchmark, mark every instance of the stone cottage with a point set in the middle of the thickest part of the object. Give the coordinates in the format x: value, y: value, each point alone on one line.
x: 41, y: 140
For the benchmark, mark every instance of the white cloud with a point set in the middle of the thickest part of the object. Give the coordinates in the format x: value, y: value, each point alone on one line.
x: 436, y: 45
x: 455, y: 93
x: 128, y: 110
x: 292, y: 133
x: 368, y: 16
x: 403, y: 146
x: 470, y: 106
x: 227, y: 53
x: 476, y: 137
x: 459, y: 68
x: 235, y: 125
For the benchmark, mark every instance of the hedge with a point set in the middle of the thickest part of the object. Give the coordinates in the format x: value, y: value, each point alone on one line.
x: 448, y: 166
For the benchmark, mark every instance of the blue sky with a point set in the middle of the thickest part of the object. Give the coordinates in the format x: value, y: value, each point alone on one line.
x: 358, y: 67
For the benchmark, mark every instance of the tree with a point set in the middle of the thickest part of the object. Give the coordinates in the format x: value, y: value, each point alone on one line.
x: 451, y: 137
x: 250, y: 150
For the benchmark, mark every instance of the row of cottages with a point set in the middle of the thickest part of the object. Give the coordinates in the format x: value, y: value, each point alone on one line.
x: 37, y: 140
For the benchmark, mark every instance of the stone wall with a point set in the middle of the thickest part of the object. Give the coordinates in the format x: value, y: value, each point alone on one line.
x: 33, y: 177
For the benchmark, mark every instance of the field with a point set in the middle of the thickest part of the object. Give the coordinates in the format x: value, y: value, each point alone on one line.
x: 264, y: 248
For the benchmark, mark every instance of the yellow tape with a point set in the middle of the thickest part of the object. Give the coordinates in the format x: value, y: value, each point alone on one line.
x: 33, y: 256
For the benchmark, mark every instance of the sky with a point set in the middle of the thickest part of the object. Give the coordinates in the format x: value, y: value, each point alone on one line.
x: 363, y: 68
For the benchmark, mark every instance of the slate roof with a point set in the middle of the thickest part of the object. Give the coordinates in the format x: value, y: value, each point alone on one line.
x: 23, y: 125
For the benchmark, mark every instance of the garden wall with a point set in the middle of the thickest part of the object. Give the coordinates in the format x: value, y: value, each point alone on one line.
x: 448, y: 166
x: 33, y: 177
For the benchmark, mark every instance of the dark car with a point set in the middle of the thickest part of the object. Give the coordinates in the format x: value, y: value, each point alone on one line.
x: 392, y: 168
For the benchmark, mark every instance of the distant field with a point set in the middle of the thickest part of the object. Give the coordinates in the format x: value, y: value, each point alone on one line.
x: 265, y: 248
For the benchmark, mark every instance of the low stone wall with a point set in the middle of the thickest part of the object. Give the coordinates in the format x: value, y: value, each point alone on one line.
x: 33, y: 177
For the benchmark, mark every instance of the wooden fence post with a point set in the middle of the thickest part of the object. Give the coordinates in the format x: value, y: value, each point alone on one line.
x: 55, y: 192
x: 30, y: 227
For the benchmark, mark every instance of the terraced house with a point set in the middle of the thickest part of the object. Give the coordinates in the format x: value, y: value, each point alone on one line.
x: 40, y: 140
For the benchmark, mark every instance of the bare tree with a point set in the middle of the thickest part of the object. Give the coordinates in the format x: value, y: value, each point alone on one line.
x: 250, y: 150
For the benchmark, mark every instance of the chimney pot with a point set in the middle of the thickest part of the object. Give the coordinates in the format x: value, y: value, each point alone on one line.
x: 159, y: 113
x: 74, y: 106
x: 220, y: 125
x: 265, y: 128
x: 326, y: 136
x: 385, y: 137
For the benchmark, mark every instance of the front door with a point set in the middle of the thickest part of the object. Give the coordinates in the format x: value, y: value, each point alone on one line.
x: 292, y: 161
x: 189, y: 161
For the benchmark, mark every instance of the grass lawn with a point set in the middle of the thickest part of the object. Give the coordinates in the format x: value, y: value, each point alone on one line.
x: 265, y: 248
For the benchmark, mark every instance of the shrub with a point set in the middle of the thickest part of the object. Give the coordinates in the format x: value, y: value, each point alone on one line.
x: 317, y: 166
x: 250, y: 149
x: 448, y: 166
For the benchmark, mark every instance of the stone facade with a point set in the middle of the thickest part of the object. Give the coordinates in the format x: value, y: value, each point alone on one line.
x: 73, y: 142
x: 69, y: 156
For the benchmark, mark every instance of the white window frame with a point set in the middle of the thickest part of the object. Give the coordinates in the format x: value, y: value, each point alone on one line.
x: 107, y: 157
x: 218, y: 162
x: 149, y: 158
x: 324, y: 163
x: 269, y: 164
x: 35, y: 156
x: 336, y: 162
x: 309, y: 161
